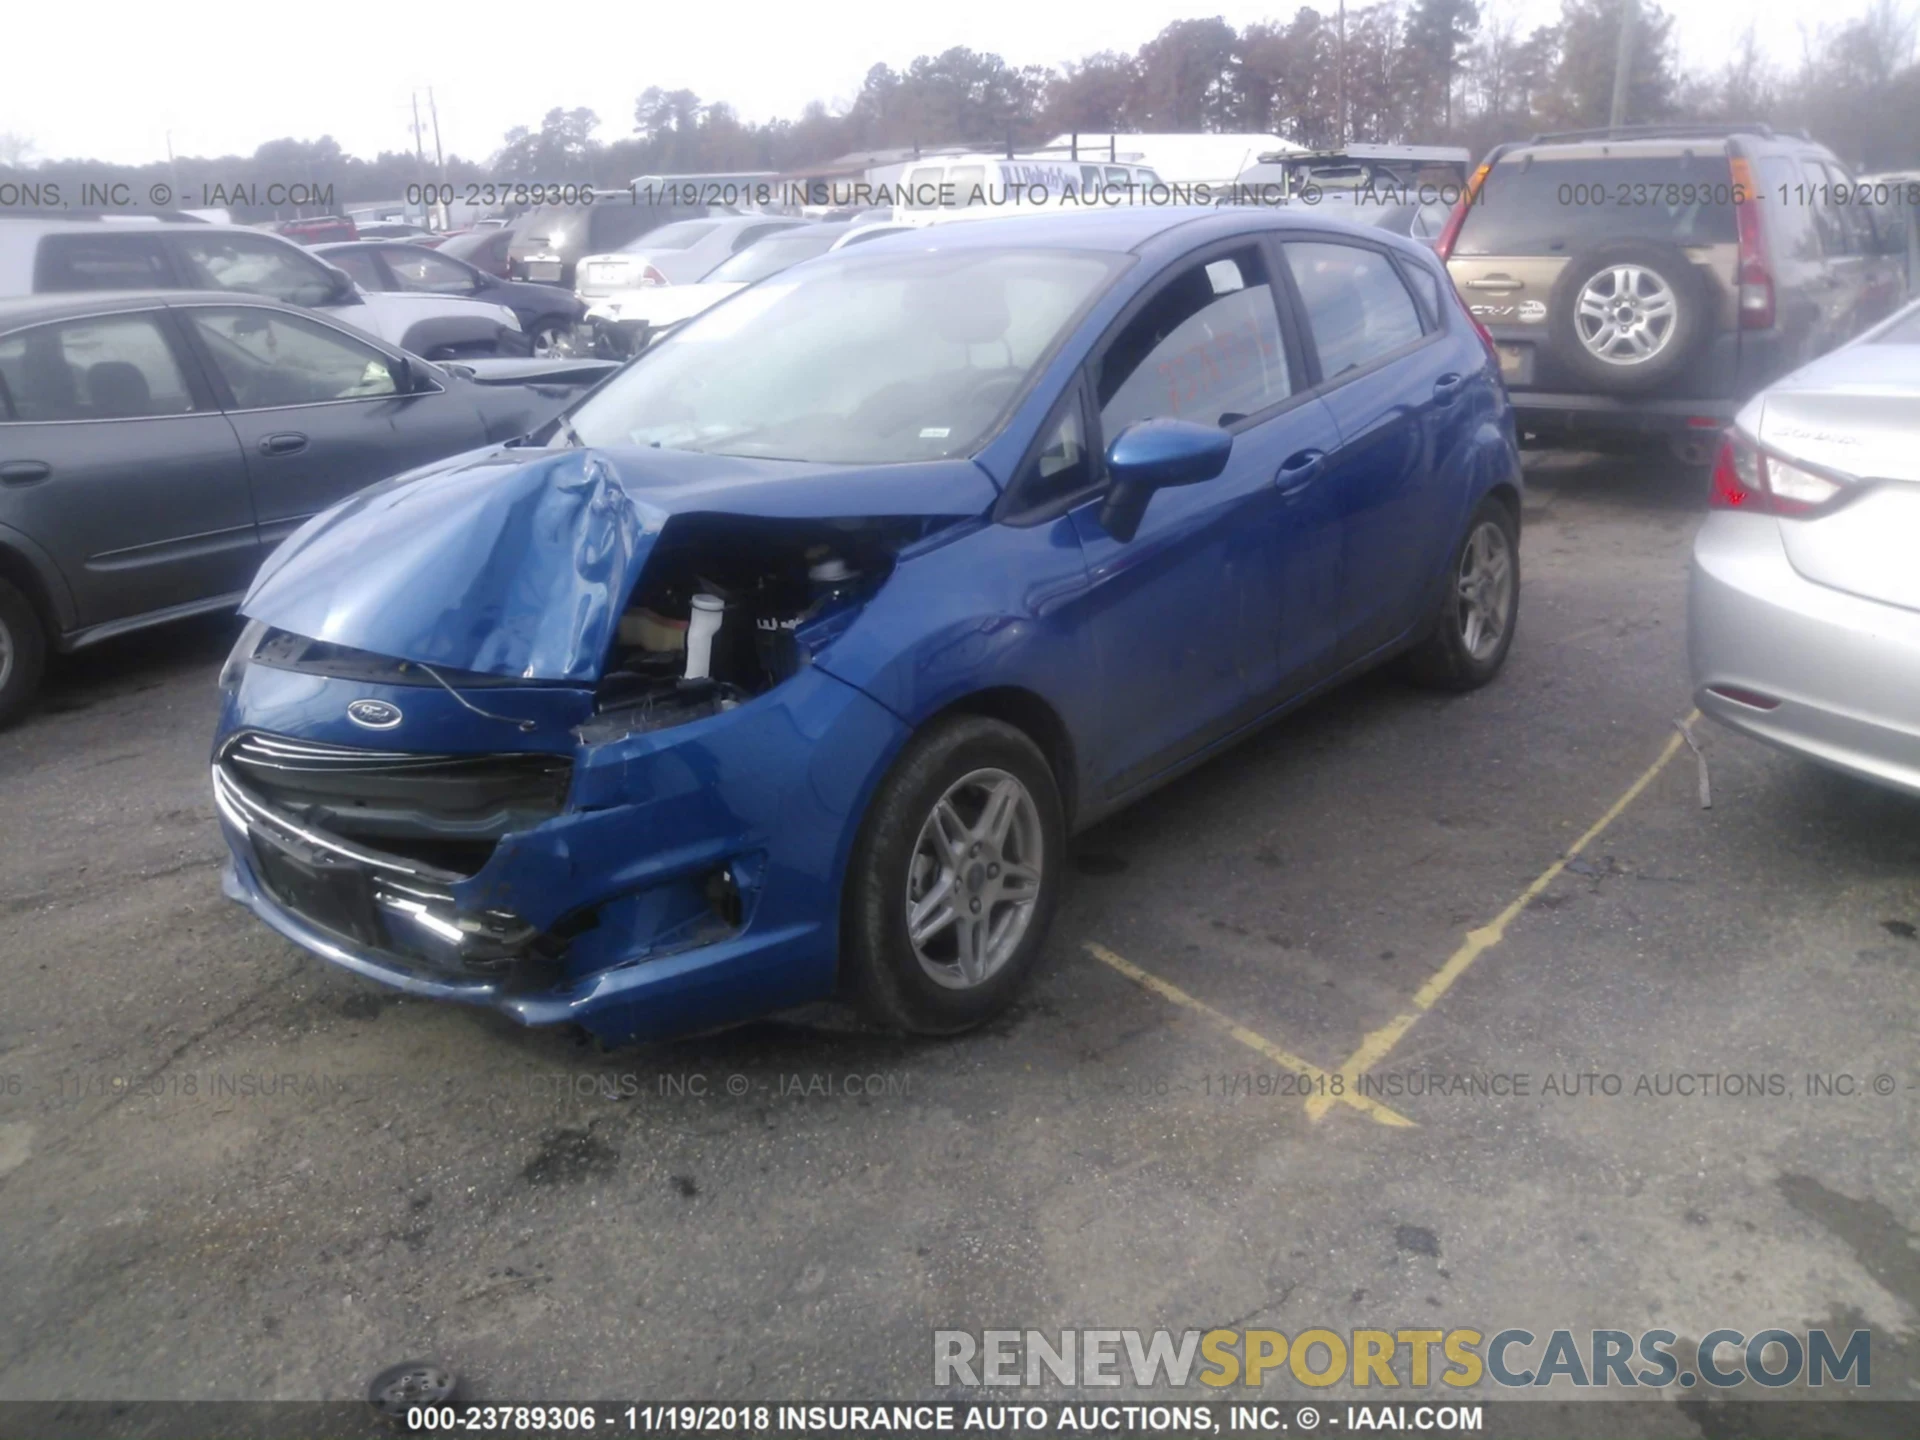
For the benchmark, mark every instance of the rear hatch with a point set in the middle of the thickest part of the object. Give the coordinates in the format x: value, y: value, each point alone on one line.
x: 545, y: 241
x: 1538, y: 209
x: 1856, y: 413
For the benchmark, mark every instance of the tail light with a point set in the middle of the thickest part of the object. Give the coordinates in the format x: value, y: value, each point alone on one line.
x: 651, y: 276
x: 1755, y: 278
x: 1443, y: 247
x: 1745, y: 477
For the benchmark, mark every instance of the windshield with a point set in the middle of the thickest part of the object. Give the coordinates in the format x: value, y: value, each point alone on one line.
x: 868, y: 357
x: 769, y: 257
x: 1535, y: 206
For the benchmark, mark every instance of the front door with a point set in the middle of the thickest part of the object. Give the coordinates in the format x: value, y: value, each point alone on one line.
x: 118, y: 463
x: 320, y: 412
x: 1224, y: 597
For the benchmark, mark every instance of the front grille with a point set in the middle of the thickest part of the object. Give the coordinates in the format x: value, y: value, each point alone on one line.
x: 444, y: 811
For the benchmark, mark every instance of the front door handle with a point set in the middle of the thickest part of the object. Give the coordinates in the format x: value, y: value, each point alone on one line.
x: 287, y: 442
x: 1300, y: 470
x: 24, y: 472
x: 1448, y: 387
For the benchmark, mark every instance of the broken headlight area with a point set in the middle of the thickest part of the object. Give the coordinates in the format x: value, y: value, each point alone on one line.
x: 730, y: 606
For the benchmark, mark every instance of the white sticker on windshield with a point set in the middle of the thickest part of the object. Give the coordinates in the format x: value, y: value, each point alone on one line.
x: 936, y: 432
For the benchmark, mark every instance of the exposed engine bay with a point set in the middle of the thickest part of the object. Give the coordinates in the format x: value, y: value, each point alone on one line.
x: 730, y: 606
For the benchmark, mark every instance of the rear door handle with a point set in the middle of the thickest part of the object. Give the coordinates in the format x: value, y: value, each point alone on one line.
x: 1300, y: 470
x: 24, y: 472
x: 1448, y: 387
x: 1501, y: 283
x: 287, y: 442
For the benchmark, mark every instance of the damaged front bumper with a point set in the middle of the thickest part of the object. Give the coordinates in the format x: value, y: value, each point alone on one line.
x: 644, y: 885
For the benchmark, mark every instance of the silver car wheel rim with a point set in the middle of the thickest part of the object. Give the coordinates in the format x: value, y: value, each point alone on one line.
x: 1485, y: 590
x: 974, y: 878
x: 1625, y: 315
x: 546, y: 342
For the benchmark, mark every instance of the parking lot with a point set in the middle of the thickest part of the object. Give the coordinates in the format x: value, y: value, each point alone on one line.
x: 231, y: 1171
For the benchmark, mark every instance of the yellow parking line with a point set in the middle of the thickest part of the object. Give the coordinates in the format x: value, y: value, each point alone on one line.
x: 1375, y: 1047
x: 1282, y: 1058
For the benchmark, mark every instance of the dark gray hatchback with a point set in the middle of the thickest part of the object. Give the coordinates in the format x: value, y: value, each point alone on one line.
x: 154, y: 447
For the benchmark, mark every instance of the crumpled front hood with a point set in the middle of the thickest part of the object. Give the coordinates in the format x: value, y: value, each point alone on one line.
x: 519, y: 561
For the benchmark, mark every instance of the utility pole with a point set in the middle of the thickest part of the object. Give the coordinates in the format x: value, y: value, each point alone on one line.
x: 440, y: 162
x: 419, y: 148
x: 1340, y: 92
x: 1623, y: 64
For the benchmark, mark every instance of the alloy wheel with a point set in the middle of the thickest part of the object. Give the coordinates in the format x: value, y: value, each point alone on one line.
x: 1485, y: 588
x: 1625, y: 315
x: 974, y: 878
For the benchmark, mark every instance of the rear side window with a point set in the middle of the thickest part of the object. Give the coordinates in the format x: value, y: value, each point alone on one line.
x: 1206, y: 348
x: 270, y: 359
x: 278, y: 269
x: 119, y: 367
x: 616, y: 224
x: 101, y: 262
x: 1544, y: 206
x: 1356, y: 305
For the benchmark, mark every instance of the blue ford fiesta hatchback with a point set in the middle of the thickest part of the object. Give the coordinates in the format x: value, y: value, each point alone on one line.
x: 785, y: 663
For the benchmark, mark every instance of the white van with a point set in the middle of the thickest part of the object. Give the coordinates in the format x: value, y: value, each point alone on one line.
x: 958, y: 182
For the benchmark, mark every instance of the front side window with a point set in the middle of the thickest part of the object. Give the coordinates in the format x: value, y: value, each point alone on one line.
x: 866, y: 357
x: 118, y: 367
x: 1357, y: 307
x: 1205, y: 348
x: 1062, y: 466
x: 420, y: 269
x: 256, y: 265
x: 269, y: 359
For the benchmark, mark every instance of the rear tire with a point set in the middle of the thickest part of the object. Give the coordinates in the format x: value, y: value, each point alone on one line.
x: 1473, y: 629
x: 954, y: 877
x: 23, y: 652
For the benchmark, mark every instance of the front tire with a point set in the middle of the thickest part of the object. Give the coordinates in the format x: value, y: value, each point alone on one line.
x: 1473, y: 629
x: 954, y: 877
x: 23, y: 653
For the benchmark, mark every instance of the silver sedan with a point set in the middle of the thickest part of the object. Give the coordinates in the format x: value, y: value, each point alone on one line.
x: 1804, y: 611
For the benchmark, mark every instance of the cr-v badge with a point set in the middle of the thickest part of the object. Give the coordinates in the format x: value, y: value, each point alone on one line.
x: 374, y: 714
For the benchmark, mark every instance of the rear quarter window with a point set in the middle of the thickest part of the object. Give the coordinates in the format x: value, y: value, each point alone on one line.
x: 1531, y: 205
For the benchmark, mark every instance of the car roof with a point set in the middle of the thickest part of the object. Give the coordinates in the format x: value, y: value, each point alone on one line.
x: 77, y: 305
x: 1122, y: 229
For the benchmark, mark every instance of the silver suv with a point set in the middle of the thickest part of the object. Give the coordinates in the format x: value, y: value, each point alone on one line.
x: 48, y: 255
x: 1646, y: 281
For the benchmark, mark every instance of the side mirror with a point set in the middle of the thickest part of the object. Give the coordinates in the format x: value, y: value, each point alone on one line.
x: 344, y: 291
x: 401, y: 369
x: 1150, y: 455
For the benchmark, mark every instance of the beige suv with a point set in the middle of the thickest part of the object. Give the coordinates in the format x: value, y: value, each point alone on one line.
x: 1644, y: 282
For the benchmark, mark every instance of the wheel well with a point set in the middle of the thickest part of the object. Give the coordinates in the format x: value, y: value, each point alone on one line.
x: 27, y: 581
x: 1509, y: 497
x: 1039, y: 722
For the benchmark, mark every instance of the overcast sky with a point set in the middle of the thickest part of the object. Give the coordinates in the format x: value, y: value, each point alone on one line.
x: 111, y: 79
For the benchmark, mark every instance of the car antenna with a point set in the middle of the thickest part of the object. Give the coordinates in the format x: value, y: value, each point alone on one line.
x: 526, y: 727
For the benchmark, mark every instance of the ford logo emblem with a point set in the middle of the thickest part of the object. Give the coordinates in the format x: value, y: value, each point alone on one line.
x: 374, y: 714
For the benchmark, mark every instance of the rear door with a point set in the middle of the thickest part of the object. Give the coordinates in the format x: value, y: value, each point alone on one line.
x: 1396, y: 384
x: 318, y: 411
x: 116, y: 460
